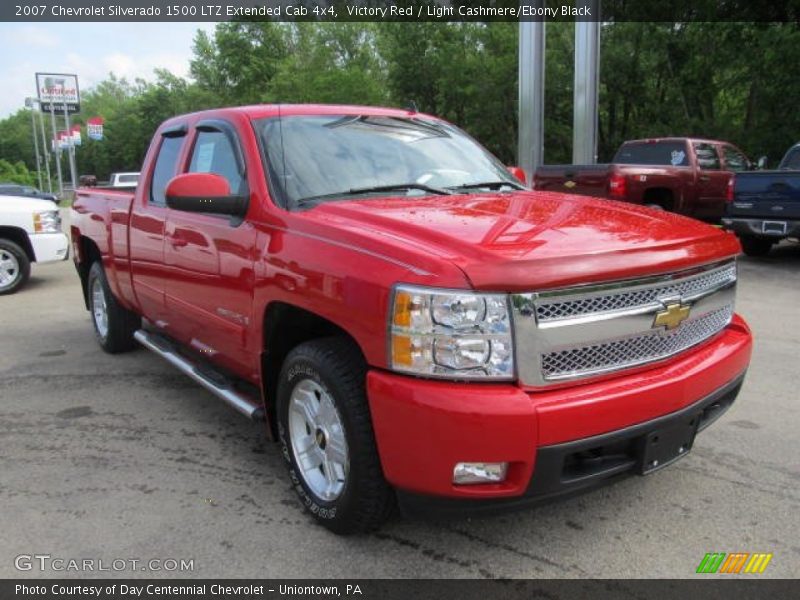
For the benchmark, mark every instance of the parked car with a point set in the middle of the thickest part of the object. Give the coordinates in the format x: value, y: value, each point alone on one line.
x: 87, y: 180
x: 14, y: 189
x: 409, y: 320
x: 30, y: 231
x: 683, y: 175
x: 123, y: 180
x: 765, y: 207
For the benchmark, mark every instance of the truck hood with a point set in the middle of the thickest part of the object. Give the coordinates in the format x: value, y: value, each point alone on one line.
x: 19, y: 204
x: 533, y: 240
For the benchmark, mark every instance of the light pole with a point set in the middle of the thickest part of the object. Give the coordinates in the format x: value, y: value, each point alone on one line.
x: 45, y: 155
x: 29, y: 104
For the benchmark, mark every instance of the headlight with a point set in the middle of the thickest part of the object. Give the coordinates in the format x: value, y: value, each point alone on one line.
x: 451, y: 334
x: 47, y: 222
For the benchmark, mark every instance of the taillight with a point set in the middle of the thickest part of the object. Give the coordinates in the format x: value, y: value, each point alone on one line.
x: 729, y: 191
x: 617, y: 186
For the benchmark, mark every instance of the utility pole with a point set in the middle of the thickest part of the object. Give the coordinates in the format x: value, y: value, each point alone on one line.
x: 587, y: 84
x: 29, y: 104
x: 70, y: 147
x: 45, y: 153
x: 530, y: 150
x: 56, y: 148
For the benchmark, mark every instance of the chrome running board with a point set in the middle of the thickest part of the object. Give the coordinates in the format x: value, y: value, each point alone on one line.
x: 216, y: 383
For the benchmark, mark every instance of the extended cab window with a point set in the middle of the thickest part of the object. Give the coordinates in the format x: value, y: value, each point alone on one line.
x: 660, y: 153
x: 735, y: 160
x: 166, y: 165
x: 213, y: 153
x: 707, y: 158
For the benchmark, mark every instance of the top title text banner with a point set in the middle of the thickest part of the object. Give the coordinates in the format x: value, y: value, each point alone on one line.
x: 400, y: 11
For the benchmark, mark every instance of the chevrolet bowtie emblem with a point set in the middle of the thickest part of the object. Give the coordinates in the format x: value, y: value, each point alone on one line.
x: 672, y: 316
x: 569, y: 184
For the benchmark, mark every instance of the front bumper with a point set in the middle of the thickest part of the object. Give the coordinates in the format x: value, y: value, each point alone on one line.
x: 49, y: 247
x: 423, y: 428
x: 766, y: 228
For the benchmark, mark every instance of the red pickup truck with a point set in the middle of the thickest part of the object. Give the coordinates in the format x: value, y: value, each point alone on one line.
x: 692, y: 177
x: 411, y: 323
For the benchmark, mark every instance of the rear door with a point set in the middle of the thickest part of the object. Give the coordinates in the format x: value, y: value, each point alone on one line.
x: 712, y: 182
x: 209, y: 293
x: 147, y: 226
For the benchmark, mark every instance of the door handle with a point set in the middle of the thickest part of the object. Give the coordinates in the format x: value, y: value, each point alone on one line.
x: 177, y: 241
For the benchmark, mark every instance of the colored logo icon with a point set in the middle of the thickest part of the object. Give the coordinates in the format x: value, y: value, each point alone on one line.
x: 734, y: 563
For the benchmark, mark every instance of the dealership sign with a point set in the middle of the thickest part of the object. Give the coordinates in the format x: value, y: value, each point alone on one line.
x: 56, y: 90
x: 94, y: 128
x: 65, y: 139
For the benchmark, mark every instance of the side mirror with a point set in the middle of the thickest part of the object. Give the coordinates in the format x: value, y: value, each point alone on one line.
x: 762, y: 163
x: 204, y: 193
x: 519, y: 173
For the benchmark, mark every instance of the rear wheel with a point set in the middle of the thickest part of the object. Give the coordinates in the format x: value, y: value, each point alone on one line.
x: 326, y: 436
x: 114, y: 325
x: 15, y: 268
x: 755, y: 246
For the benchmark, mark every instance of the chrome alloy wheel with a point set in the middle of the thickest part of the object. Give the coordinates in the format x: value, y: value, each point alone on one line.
x: 9, y: 269
x: 99, y: 308
x: 318, y: 440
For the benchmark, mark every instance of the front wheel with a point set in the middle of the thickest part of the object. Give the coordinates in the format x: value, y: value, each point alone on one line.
x: 15, y: 268
x: 114, y: 325
x: 755, y: 246
x: 326, y: 436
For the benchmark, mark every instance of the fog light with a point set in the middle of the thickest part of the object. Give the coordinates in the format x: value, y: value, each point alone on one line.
x: 479, y: 472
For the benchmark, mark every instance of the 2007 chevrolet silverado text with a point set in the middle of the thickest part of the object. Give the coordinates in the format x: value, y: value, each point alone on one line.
x: 410, y: 321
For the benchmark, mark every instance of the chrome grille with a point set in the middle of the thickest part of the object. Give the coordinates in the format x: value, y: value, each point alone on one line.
x: 591, y: 330
x: 636, y: 350
x: 627, y: 299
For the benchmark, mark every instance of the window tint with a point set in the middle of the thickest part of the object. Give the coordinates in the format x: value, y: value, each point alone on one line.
x: 707, y: 158
x: 792, y: 160
x: 672, y: 152
x: 166, y: 165
x: 735, y: 160
x: 213, y: 153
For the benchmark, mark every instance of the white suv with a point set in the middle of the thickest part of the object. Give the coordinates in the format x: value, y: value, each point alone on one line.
x: 30, y: 231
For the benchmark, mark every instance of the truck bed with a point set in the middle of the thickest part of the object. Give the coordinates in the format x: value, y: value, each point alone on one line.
x: 102, y: 215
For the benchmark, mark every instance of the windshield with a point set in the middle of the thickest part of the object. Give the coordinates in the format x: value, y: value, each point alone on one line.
x: 325, y: 158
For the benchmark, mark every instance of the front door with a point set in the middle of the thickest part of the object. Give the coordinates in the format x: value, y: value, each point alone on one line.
x: 209, y: 291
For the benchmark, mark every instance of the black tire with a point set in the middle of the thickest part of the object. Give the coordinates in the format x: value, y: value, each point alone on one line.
x: 755, y: 246
x: 121, y: 323
x: 338, y: 368
x: 20, y: 273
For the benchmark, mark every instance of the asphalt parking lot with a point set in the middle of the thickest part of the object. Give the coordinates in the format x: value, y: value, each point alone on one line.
x: 119, y: 457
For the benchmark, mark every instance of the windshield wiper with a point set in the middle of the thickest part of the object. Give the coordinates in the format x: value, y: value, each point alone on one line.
x: 492, y: 185
x: 377, y: 188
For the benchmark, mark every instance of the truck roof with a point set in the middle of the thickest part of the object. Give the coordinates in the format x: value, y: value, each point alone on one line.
x: 260, y: 111
x: 673, y: 139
